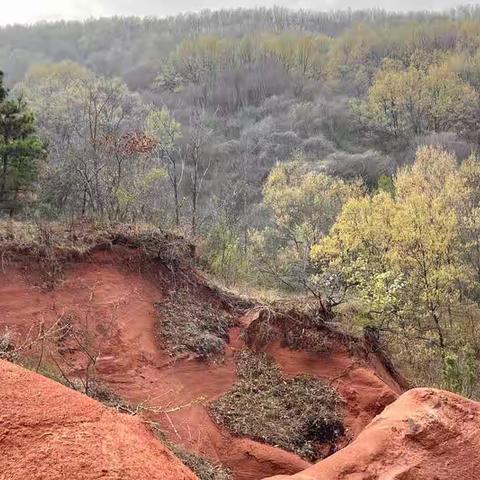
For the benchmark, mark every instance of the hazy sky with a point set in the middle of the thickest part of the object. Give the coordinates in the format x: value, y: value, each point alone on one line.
x: 28, y: 11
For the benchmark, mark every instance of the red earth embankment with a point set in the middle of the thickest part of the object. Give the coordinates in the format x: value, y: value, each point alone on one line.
x: 425, y: 435
x: 116, y: 305
x: 48, y: 431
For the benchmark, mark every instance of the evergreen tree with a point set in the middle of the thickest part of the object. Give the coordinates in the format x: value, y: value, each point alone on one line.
x: 21, y: 151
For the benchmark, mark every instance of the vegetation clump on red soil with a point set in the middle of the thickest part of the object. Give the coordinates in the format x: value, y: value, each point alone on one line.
x: 113, y: 291
x: 297, y: 414
x: 298, y: 330
x: 186, y: 324
x: 50, y: 246
x: 203, y: 468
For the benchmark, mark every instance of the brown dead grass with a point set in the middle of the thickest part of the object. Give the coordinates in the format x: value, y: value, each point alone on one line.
x: 50, y: 245
x: 186, y: 323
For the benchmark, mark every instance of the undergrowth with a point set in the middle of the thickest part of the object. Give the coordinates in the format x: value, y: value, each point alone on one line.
x: 187, y: 324
x: 297, y: 330
x: 51, y: 244
x: 203, y: 468
x: 297, y: 414
x: 96, y: 389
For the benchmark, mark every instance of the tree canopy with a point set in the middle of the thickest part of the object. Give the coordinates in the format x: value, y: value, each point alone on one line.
x: 410, y: 258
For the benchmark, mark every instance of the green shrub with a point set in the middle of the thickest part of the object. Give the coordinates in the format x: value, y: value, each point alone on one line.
x: 460, y: 373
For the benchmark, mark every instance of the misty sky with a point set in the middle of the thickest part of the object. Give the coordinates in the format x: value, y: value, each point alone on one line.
x: 29, y: 11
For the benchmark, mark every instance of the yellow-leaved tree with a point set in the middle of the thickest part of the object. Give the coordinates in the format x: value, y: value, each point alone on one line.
x: 304, y: 205
x: 410, y: 261
x: 416, y: 100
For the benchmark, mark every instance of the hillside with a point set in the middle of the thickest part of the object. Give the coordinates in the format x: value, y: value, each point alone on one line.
x: 133, y: 48
x: 245, y: 244
x: 105, y: 304
x: 423, y: 434
x: 192, y: 113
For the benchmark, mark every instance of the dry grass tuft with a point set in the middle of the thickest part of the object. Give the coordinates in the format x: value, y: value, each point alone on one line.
x: 297, y: 414
x: 203, y: 468
x: 297, y: 330
x: 7, y: 347
x: 185, y: 323
x: 50, y: 245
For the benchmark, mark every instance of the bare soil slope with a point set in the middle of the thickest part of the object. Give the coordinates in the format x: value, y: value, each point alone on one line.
x: 48, y: 431
x: 102, y: 292
x: 425, y: 435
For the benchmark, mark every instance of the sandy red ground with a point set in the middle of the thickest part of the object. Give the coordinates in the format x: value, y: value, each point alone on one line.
x: 50, y: 432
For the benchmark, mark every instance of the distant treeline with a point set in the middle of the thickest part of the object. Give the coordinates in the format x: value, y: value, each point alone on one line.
x: 128, y: 46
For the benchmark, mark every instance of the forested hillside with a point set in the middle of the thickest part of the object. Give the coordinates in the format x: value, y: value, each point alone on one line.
x: 134, y: 47
x: 282, y: 144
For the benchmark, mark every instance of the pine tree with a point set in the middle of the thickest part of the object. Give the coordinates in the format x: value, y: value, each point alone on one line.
x: 21, y: 150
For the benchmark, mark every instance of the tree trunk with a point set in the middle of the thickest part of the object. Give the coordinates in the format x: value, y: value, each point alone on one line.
x: 175, y: 197
x: 3, y: 187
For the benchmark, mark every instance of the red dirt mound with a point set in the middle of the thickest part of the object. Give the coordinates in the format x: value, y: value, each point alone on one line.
x: 101, y: 290
x: 48, y: 431
x: 425, y: 435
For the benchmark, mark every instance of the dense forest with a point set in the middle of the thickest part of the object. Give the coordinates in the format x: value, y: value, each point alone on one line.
x: 328, y: 154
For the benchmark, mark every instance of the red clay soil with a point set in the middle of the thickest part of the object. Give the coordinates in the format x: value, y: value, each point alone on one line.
x: 50, y: 432
x: 425, y: 435
x: 100, y: 291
